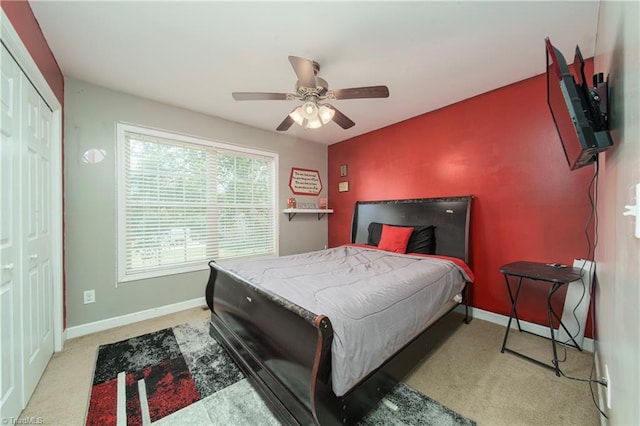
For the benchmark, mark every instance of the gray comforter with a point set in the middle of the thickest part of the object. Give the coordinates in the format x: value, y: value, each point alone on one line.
x: 377, y: 301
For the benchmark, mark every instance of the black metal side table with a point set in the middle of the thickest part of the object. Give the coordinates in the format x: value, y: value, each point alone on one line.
x: 541, y: 272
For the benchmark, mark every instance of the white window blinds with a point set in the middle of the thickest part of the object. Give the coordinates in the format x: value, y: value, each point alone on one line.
x: 184, y: 201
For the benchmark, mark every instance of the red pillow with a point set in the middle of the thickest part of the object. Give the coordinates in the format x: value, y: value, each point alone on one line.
x: 395, y: 238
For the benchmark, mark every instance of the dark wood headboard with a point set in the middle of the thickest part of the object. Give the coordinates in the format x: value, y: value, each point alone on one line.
x: 450, y: 216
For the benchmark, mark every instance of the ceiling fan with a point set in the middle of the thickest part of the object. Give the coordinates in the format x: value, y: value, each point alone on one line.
x: 313, y: 91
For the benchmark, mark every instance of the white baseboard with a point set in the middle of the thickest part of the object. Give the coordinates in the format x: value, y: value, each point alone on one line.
x: 540, y: 330
x: 93, y: 327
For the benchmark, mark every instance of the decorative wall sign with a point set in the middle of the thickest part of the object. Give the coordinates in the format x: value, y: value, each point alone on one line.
x: 343, y: 186
x: 343, y: 170
x: 305, y: 182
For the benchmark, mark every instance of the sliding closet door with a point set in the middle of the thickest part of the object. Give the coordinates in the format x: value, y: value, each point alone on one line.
x: 37, y: 307
x: 10, y: 291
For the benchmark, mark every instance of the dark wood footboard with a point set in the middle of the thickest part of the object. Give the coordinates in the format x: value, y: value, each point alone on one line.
x: 283, y: 349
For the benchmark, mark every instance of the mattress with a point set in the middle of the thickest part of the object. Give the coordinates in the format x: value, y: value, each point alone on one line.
x: 377, y: 301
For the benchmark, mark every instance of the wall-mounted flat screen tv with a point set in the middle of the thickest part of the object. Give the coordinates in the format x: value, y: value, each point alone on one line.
x: 578, y: 111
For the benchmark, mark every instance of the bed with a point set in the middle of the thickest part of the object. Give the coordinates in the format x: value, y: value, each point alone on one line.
x: 323, y: 336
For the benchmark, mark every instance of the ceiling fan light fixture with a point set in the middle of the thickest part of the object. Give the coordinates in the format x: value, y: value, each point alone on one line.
x: 297, y: 116
x: 310, y: 110
x: 326, y: 114
x: 311, y: 90
x: 313, y: 123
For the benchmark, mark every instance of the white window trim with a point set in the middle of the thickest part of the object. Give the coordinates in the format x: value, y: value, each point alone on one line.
x: 121, y: 130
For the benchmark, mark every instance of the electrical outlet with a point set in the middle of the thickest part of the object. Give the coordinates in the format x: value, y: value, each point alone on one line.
x: 634, y: 210
x: 608, y: 388
x: 89, y: 296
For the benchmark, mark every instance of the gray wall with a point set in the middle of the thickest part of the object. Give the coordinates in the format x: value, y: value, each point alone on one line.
x: 618, y: 251
x: 90, y: 198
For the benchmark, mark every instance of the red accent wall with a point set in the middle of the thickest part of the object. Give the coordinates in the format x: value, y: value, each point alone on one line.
x: 24, y: 22
x: 503, y: 148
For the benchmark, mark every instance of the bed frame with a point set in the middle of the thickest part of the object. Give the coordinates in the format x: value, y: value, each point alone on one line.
x: 285, y: 350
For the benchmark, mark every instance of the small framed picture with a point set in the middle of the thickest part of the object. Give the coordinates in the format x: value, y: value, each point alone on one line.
x: 343, y: 170
x: 343, y: 186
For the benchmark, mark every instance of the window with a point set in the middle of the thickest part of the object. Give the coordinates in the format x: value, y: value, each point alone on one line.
x: 183, y: 201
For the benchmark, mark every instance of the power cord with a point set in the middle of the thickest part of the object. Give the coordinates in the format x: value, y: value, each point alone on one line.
x: 593, y: 215
x: 590, y: 380
x: 593, y: 396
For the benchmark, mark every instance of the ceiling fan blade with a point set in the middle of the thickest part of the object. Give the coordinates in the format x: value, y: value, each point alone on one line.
x: 360, y: 92
x: 340, y: 119
x: 260, y: 96
x: 304, y: 70
x: 286, y: 123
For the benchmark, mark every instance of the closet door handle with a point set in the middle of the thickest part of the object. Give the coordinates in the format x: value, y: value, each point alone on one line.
x: 33, y: 257
x: 8, y: 267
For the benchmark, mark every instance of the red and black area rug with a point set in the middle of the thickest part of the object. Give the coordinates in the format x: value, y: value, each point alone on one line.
x: 182, y: 376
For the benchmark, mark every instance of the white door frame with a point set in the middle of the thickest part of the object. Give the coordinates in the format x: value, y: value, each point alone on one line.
x: 17, y: 48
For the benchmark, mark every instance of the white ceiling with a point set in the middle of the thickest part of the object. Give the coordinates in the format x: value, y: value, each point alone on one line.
x: 194, y: 54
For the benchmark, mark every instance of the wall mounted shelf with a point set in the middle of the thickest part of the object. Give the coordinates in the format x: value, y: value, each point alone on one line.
x: 293, y: 212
